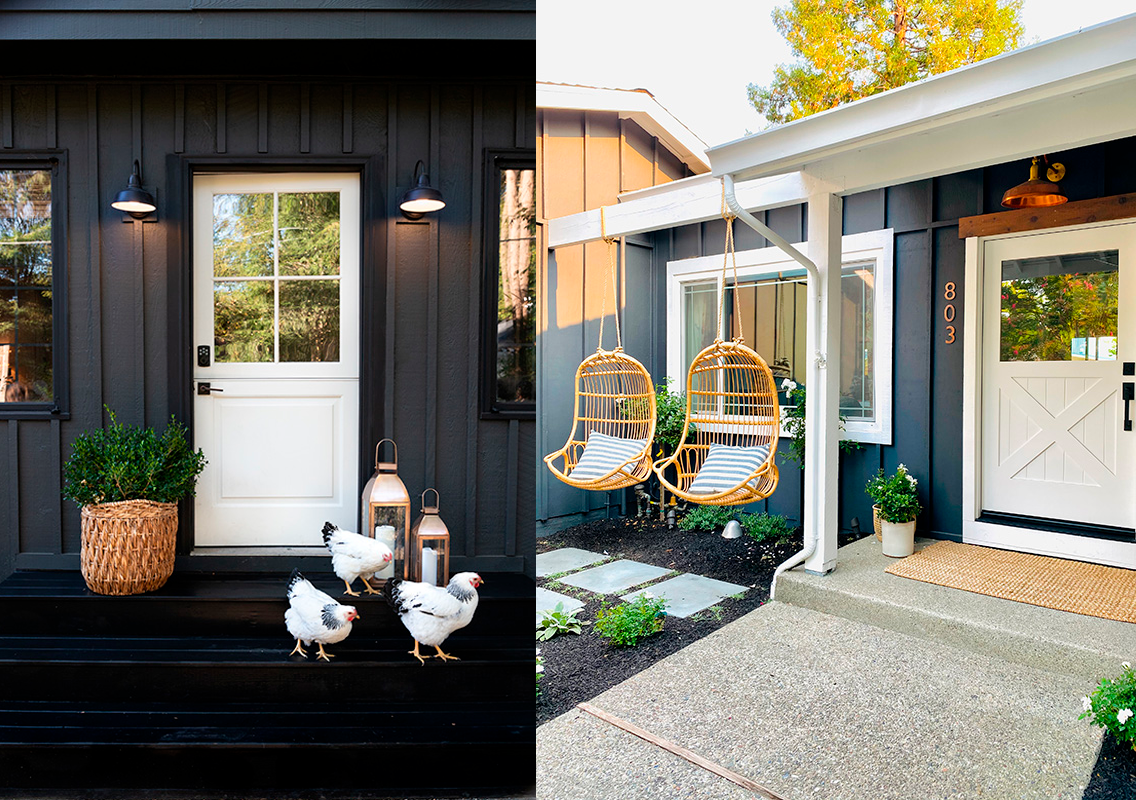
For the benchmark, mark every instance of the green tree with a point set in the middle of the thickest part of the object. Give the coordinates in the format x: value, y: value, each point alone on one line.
x: 850, y: 49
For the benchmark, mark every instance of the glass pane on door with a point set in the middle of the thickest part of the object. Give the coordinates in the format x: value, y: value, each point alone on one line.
x: 1060, y: 308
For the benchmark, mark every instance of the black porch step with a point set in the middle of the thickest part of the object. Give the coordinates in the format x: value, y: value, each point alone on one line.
x: 222, y: 604
x: 157, y: 669
x: 380, y: 749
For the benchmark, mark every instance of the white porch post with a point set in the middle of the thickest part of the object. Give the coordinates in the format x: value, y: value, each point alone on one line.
x: 822, y: 431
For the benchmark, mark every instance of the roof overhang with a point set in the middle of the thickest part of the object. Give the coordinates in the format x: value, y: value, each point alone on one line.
x: 633, y: 104
x: 1069, y: 92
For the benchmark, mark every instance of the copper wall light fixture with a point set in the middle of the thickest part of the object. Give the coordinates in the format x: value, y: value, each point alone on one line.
x: 1037, y: 192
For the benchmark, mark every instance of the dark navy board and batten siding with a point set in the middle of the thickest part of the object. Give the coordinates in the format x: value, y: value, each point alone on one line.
x: 927, y: 370
x: 127, y: 283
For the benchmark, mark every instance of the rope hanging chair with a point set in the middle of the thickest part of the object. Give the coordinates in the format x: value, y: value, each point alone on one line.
x: 727, y: 453
x: 614, y: 416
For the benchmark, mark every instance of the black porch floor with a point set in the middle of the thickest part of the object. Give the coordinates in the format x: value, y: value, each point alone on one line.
x: 191, y: 691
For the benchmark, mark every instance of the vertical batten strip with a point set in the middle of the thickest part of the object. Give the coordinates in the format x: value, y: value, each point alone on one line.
x: 51, y: 99
x: 262, y: 119
x: 473, y: 361
x: 179, y: 118
x: 519, y: 132
x: 94, y: 275
x: 222, y: 106
x: 430, y: 440
x: 511, y: 477
x: 14, y: 479
x: 348, y: 118
x: 57, y: 476
x: 392, y: 200
x: 6, y: 115
x: 305, y: 117
x: 138, y: 263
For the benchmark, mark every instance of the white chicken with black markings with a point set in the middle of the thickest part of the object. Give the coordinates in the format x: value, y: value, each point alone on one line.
x: 314, y: 616
x: 355, y: 556
x: 431, y: 613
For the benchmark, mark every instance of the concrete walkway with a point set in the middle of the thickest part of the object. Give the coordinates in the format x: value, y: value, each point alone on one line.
x: 816, y: 705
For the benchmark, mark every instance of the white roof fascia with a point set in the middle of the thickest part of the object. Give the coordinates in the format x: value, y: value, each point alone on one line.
x: 1041, y: 74
x: 691, y: 200
x: 635, y: 105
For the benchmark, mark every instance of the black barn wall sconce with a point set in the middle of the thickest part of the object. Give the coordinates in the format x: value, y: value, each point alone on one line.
x: 423, y: 198
x: 134, y: 200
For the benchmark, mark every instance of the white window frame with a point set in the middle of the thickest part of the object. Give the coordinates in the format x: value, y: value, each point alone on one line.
x: 767, y: 262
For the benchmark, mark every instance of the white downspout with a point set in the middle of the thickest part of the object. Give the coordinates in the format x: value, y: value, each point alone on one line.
x: 813, y: 322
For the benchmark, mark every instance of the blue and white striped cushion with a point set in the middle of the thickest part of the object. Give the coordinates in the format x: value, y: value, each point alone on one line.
x: 604, y: 454
x: 726, y: 467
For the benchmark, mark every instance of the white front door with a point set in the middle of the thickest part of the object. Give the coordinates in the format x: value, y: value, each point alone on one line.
x: 1059, y: 323
x: 276, y: 338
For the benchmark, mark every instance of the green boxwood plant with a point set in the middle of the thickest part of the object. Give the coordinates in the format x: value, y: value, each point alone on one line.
x: 125, y: 462
x: 627, y: 624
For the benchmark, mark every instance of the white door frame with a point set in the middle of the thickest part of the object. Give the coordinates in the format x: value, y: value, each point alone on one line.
x: 335, y: 385
x: 1083, y: 548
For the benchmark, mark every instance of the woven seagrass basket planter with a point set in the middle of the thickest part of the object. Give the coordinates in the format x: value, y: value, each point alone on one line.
x: 128, y: 547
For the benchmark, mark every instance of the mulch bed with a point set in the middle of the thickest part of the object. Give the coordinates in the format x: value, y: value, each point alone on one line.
x: 577, y: 668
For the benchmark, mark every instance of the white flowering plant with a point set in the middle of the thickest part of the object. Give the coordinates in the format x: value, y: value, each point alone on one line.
x: 1112, y: 705
x: 896, y: 495
x: 539, y: 671
x: 793, y: 420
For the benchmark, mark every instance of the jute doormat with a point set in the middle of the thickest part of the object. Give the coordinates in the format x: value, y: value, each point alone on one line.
x: 1092, y: 589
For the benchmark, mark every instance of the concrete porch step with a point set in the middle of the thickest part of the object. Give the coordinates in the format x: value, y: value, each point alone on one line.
x: 858, y: 589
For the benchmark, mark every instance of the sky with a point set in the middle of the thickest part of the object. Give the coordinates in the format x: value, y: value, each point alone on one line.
x: 698, y: 58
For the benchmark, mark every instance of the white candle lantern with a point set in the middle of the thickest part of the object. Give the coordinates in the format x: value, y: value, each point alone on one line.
x: 386, y: 508
x: 430, y: 544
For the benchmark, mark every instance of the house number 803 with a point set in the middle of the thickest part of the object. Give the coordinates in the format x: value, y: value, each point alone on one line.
x: 949, y: 311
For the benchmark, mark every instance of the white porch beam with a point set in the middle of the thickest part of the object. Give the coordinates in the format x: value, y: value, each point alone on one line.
x: 687, y: 202
x: 822, y: 400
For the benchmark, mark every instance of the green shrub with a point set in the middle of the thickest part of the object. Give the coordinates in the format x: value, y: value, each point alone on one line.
x: 558, y: 621
x: 124, y: 462
x: 705, y: 518
x: 627, y: 624
x: 793, y: 421
x: 670, y: 417
x: 1112, y: 705
x: 767, y: 527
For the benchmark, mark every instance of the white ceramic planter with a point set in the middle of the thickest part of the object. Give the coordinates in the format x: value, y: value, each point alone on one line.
x: 899, y: 538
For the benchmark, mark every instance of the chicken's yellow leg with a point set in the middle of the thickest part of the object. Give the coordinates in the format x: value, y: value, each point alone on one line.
x: 298, y: 649
x: 416, y: 654
x: 445, y: 656
x: 367, y: 586
x: 353, y: 594
x: 323, y: 654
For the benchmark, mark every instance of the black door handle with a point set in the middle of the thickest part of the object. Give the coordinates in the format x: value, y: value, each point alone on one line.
x: 1128, y: 392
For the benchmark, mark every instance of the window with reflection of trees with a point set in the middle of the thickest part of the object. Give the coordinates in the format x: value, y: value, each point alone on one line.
x: 514, y: 351
x: 1061, y: 307
x: 26, y: 261
x: 276, y: 277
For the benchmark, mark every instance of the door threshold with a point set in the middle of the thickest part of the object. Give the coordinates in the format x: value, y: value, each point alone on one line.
x: 293, y: 550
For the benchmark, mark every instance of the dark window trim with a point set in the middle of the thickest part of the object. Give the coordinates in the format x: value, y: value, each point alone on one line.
x: 496, y: 160
x: 59, y: 407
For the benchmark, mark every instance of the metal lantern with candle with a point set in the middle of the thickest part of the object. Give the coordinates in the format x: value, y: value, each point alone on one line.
x: 385, y: 513
x: 430, y: 544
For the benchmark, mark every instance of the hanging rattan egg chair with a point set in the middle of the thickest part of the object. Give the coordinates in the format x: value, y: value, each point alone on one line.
x: 613, y: 423
x: 727, y: 453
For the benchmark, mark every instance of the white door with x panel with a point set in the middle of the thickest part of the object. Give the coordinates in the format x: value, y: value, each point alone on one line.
x: 1059, y: 323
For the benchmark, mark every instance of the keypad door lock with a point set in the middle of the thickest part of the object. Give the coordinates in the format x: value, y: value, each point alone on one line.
x: 203, y: 359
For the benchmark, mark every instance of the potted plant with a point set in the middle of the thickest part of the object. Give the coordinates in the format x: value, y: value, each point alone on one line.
x: 898, y: 503
x: 127, y: 480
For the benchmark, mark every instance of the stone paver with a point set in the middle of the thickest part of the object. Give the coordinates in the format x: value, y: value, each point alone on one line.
x: 566, y: 559
x: 618, y: 576
x: 689, y: 594
x: 546, y: 601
